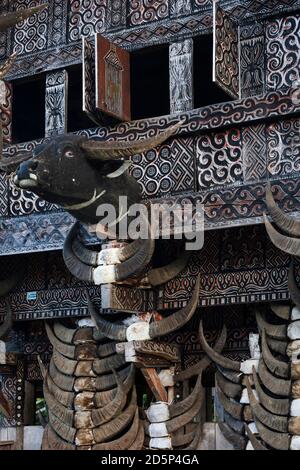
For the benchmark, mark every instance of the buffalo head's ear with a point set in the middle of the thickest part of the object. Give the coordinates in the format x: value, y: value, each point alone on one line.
x: 99, y: 150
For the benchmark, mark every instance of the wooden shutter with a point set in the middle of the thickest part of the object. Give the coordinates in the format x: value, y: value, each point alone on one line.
x: 226, y: 60
x: 112, y: 79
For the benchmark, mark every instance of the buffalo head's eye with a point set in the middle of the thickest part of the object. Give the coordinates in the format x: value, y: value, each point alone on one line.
x: 69, y: 153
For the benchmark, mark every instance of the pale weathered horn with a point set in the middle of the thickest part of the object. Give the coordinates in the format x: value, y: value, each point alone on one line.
x: 187, y: 417
x: 275, y: 422
x: 293, y: 287
x: 139, y: 440
x: 233, y: 408
x: 104, y: 398
x: 118, y: 424
x: 237, y: 441
x: 277, y: 367
x: 278, y: 332
x: 108, y: 412
x: 109, y: 329
x: 178, y: 319
x: 230, y: 389
x: 276, y: 440
x: 64, y: 365
x: 216, y: 357
x: 66, y: 415
x: 62, y: 396
x: 65, y: 349
x: 235, y: 424
x: 102, y: 366
x: 10, y: 19
x: 7, y: 324
x: 6, y: 67
x: 183, y: 406
x: 277, y: 406
x: 195, y: 442
x: 108, y: 381
x: 62, y: 381
x: 283, y: 221
x: 117, y: 150
x: 289, y: 245
x: 51, y: 441
x: 256, y: 444
x: 66, y: 432
x: 232, y: 376
x: 281, y: 311
x: 125, y: 441
x: 277, y: 346
x: 159, y: 276
x: 277, y: 386
x: 201, y: 365
x: 63, y: 333
x: 107, y: 349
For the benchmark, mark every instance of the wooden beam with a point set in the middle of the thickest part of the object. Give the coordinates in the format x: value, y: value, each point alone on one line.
x: 155, y: 384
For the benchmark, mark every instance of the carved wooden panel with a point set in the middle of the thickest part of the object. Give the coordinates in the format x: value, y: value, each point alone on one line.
x: 145, y: 11
x: 181, y: 76
x: 8, y: 381
x: 112, y: 79
x: 254, y: 152
x: 219, y: 159
x: 56, y: 103
x: 283, y: 45
x: 6, y: 110
x: 180, y: 7
x: 86, y: 18
x: 31, y: 36
x: 252, y: 60
x: 89, y: 80
x: 226, y: 70
x: 284, y: 147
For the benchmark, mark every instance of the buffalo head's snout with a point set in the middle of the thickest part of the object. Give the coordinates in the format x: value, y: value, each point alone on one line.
x: 26, y: 168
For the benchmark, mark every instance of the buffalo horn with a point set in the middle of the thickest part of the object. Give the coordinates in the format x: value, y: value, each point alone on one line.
x: 107, y: 349
x: 195, y: 442
x: 10, y: 19
x: 67, y: 433
x: 55, y: 442
x: 108, y: 329
x: 159, y: 276
x: 256, y: 444
x: 183, y: 406
x: 277, y: 406
x: 64, y: 334
x: 233, y: 408
x: 275, y: 422
x: 139, y: 440
x: 293, y: 288
x: 277, y: 386
x: 188, y: 416
x: 289, y: 245
x: 277, y: 367
x: 203, y: 363
x: 104, y: 398
x: 108, y: 381
x: 276, y: 440
x: 235, y: 377
x: 230, y: 389
x: 117, y: 425
x: 125, y: 441
x: 281, y: 311
x: 283, y: 221
x: 235, y: 439
x: 113, y: 150
x: 5, y: 408
x: 102, y: 366
x: 235, y: 424
x: 6, y: 67
x: 178, y: 319
x: 65, y: 366
x: 77, y: 268
x: 66, y: 350
x: 62, y: 396
x: 216, y: 357
x: 112, y: 409
x: 64, y: 382
x: 278, y: 332
x: 60, y: 411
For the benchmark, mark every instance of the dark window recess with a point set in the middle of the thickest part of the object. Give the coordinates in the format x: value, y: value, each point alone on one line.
x: 35, y: 410
x: 150, y: 82
x: 77, y: 118
x: 28, y: 109
x: 206, y: 92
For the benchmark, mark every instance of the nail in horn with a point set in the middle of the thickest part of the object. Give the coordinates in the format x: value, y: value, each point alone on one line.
x: 152, y: 330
